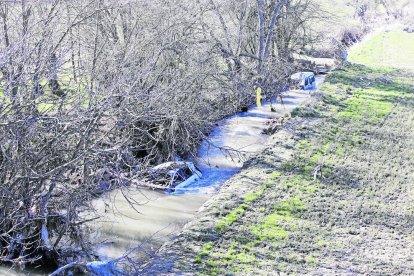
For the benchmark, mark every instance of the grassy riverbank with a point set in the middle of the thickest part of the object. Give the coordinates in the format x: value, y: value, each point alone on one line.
x: 332, y: 194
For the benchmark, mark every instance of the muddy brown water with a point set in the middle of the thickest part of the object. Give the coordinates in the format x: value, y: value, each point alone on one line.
x: 160, y: 216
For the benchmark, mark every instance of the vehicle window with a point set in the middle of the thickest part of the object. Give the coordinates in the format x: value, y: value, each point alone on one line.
x: 188, y: 172
x: 183, y: 174
x: 306, y: 81
x: 178, y: 177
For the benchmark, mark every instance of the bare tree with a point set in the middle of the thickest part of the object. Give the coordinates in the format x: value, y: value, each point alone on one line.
x: 94, y: 92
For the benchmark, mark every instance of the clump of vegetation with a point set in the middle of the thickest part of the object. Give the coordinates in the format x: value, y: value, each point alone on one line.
x: 205, y: 250
x: 305, y: 112
x: 270, y: 228
x: 231, y: 217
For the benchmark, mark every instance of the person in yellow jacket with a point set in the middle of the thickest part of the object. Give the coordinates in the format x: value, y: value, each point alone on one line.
x: 258, y: 96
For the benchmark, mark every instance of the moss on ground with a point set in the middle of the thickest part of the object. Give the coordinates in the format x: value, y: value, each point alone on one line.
x: 232, y: 217
x: 204, y: 252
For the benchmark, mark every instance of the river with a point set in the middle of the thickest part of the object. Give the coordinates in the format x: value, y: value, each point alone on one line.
x: 162, y: 215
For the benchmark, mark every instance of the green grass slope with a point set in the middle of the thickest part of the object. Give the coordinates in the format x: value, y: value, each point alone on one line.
x: 386, y: 50
x: 343, y: 203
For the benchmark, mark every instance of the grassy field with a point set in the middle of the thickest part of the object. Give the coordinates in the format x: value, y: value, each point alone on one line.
x: 332, y: 195
x: 386, y: 50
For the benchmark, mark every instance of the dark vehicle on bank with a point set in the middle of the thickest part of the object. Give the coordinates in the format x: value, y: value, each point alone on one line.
x: 303, y: 80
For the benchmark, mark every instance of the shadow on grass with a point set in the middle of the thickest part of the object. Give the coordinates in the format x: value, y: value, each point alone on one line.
x: 360, y: 76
